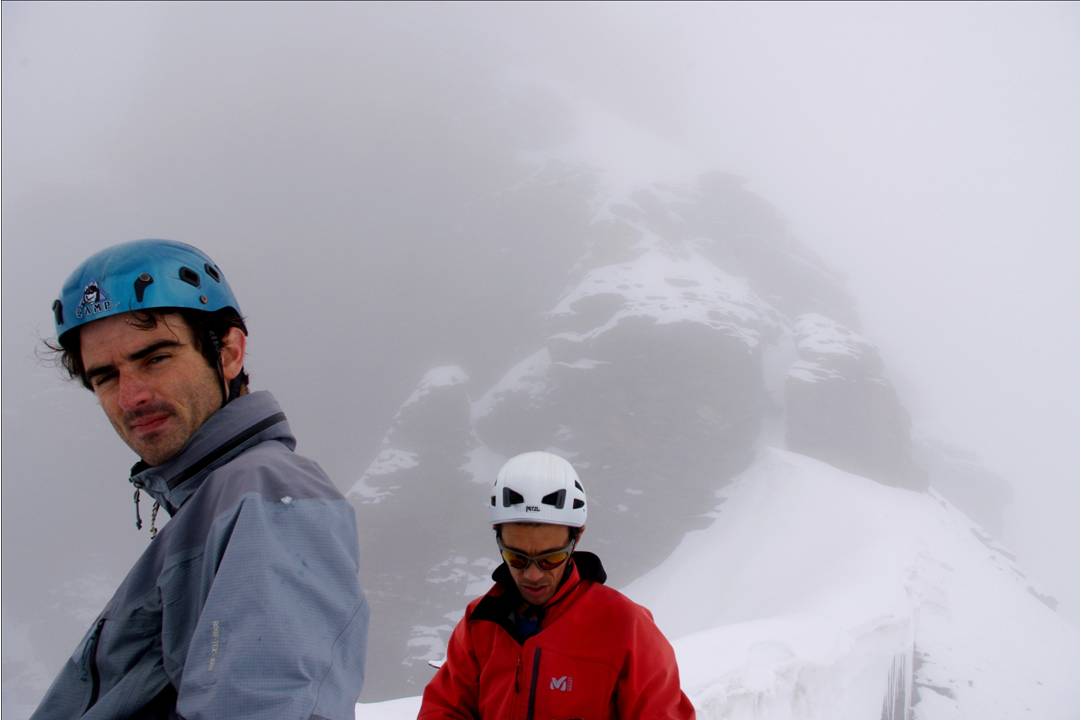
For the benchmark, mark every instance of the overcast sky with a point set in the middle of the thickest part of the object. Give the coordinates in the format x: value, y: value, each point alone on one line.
x: 928, y: 151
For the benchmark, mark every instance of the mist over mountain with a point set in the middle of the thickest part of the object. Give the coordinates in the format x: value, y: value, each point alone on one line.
x: 693, y: 330
x: 656, y: 237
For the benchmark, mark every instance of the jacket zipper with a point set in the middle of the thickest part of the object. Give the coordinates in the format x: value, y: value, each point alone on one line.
x: 90, y: 664
x: 533, y: 684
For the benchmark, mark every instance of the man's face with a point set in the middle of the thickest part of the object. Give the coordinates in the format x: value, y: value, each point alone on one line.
x: 536, y: 586
x: 154, y: 385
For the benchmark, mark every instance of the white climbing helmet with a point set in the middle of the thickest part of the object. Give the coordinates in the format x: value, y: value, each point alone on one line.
x: 538, y: 487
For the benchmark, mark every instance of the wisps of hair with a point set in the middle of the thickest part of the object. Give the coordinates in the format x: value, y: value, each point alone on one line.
x: 206, y: 328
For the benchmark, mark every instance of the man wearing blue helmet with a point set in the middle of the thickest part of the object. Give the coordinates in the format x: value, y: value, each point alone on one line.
x: 247, y: 603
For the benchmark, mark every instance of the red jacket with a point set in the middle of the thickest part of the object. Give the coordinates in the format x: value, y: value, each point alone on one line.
x: 597, y: 656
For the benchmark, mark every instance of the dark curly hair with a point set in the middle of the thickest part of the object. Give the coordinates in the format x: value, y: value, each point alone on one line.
x: 207, y: 330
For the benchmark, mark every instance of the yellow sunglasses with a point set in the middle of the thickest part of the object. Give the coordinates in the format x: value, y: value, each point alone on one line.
x: 546, y: 561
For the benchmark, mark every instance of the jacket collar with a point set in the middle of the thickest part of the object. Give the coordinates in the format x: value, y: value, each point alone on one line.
x: 503, y: 599
x: 246, y: 421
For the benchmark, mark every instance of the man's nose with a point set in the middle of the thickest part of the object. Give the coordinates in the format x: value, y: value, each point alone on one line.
x: 132, y: 392
x: 533, y: 573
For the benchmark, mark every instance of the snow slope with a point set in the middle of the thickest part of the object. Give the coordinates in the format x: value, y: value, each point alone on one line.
x: 812, y: 583
x: 816, y: 594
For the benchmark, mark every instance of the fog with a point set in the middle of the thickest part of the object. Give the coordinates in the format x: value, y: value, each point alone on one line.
x: 340, y: 161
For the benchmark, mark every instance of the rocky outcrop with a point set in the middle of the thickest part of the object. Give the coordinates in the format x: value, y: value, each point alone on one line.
x: 414, y: 510
x: 692, y: 330
x: 842, y: 409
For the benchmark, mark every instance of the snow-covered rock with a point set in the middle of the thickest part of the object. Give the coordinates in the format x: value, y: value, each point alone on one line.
x: 667, y: 287
x: 692, y: 330
x: 820, y: 595
x: 841, y: 408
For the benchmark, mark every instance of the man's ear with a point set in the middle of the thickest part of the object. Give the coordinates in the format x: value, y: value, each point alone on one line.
x: 233, y: 347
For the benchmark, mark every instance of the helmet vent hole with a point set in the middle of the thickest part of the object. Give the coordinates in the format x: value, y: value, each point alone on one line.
x: 510, y: 497
x: 493, y: 501
x: 579, y: 486
x: 556, y: 499
x: 189, y: 276
x: 578, y: 504
x: 141, y: 283
x: 212, y: 272
x: 58, y: 312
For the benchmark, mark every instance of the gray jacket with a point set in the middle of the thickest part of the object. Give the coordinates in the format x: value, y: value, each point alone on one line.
x: 245, y: 605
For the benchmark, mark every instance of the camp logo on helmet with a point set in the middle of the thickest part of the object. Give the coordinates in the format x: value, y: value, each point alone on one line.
x: 94, y: 301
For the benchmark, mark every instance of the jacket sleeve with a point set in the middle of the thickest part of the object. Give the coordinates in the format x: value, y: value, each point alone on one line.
x: 454, y: 691
x: 648, y: 686
x: 283, y: 628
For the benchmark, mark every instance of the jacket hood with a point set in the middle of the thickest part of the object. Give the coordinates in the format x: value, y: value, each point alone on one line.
x: 245, y: 421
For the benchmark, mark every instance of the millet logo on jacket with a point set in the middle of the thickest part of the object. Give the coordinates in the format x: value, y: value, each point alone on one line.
x: 564, y: 683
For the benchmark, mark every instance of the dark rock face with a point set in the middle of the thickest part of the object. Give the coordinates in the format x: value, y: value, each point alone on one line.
x: 654, y: 418
x: 842, y: 410
x: 693, y: 330
x: 418, y: 510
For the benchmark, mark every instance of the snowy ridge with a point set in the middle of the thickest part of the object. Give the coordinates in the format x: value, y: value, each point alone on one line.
x: 819, y: 335
x: 794, y: 667
x: 880, y: 609
x: 669, y: 287
x: 808, y: 371
x: 821, y: 342
x: 528, y: 377
x: 389, y: 460
x: 878, y: 572
x: 482, y: 463
x: 392, y: 459
x: 472, y: 577
x: 437, y: 377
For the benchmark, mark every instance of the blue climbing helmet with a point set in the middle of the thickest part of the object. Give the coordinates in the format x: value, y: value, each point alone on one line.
x: 141, y: 275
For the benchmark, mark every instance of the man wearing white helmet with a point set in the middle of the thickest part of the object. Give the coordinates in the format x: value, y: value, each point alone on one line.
x: 549, y: 639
